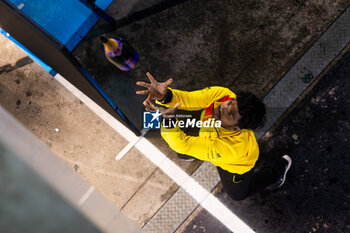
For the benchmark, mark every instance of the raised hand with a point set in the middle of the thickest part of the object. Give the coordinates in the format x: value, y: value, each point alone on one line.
x: 165, y: 112
x: 155, y: 90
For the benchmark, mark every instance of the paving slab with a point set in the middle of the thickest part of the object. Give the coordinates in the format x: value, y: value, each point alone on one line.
x: 118, y: 180
x: 149, y: 198
x: 83, y: 140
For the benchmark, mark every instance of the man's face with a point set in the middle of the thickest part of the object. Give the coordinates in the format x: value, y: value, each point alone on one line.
x: 228, y: 114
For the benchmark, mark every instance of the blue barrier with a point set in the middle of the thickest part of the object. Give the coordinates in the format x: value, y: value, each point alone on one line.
x: 68, y: 21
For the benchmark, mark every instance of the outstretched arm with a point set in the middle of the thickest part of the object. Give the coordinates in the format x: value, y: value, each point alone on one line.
x: 190, y: 100
x: 196, y: 100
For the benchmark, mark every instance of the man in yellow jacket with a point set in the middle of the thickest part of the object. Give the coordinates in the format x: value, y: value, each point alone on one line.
x: 232, y: 148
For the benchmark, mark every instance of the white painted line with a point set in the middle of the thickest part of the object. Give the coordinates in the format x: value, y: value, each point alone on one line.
x: 126, y: 149
x: 200, y: 194
x: 195, y: 190
x: 108, y: 118
x: 86, y: 195
x: 130, y: 145
x: 209, y: 202
x: 159, y: 158
x: 224, y: 215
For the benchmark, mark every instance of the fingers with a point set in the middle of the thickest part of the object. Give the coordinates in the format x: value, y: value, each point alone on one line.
x: 149, y: 110
x: 143, y: 84
x: 169, y: 81
x: 148, y: 104
x: 177, y: 105
x: 150, y: 77
x: 152, y: 105
x: 143, y: 92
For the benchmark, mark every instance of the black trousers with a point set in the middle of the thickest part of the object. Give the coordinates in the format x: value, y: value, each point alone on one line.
x: 239, y: 187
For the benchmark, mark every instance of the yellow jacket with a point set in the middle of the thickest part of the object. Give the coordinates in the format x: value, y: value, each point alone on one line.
x: 235, y: 152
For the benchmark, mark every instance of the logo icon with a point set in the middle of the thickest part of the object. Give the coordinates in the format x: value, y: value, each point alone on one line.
x: 151, y: 120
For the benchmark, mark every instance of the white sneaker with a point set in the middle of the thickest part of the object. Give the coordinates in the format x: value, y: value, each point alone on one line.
x: 282, y: 179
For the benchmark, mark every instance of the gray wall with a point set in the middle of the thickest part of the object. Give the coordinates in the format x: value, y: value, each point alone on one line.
x: 40, y: 193
x: 29, y: 204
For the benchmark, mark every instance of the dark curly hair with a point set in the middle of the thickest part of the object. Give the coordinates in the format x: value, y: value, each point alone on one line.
x: 251, y: 109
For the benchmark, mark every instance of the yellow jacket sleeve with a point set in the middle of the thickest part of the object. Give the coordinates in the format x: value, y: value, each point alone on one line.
x: 216, y: 151
x: 197, y: 100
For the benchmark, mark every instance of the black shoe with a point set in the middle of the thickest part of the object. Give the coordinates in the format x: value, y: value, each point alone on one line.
x: 185, y: 157
x: 282, y: 179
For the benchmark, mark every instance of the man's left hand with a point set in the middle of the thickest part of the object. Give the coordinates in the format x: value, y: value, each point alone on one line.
x: 165, y: 112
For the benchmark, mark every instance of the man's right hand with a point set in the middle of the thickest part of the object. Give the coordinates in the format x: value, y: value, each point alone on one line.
x: 155, y: 90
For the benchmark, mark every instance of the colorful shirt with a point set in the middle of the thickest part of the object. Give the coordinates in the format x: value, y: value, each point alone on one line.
x: 235, y: 152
